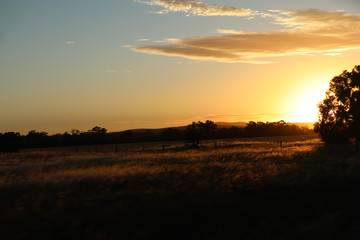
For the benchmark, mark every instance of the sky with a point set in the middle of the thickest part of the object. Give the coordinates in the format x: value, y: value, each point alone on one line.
x: 126, y: 64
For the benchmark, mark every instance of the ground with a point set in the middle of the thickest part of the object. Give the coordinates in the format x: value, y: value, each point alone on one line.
x: 242, y: 188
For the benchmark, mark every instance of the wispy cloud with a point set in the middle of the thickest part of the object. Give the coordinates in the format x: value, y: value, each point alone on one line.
x: 306, y: 31
x: 197, y: 8
x: 71, y: 42
x: 315, y: 21
x: 111, y: 71
x: 189, y: 52
x: 333, y: 54
x: 231, y: 31
x: 126, y: 122
x: 143, y: 40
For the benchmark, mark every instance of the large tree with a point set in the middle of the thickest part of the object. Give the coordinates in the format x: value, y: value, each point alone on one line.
x: 339, y: 112
x: 196, y: 131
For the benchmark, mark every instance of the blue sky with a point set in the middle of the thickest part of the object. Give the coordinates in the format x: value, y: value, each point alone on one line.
x: 77, y: 64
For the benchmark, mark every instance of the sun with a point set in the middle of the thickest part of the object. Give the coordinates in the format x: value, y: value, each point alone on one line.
x: 306, y: 108
x: 302, y: 104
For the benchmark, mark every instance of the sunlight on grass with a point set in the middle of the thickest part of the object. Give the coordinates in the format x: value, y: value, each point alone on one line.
x: 232, y: 165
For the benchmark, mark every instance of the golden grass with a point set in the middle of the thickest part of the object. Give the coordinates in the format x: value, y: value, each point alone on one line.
x: 248, y: 187
x: 232, y: 165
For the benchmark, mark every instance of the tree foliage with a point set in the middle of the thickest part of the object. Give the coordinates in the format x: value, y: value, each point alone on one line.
x: 279, y: 128
x: 196, y: 131
x: 339, y: 112
x: 192, y: 135
x: 99, y: 131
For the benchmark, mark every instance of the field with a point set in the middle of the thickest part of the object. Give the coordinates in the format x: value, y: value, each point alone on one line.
x: 238, y: 189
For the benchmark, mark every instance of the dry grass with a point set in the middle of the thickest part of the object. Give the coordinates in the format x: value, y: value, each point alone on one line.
x: 88, y: 194
x: 228, y: 165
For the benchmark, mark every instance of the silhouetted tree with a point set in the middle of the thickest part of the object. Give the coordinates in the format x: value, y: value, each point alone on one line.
x: 36, y: 139
x: 207, y: 129
x: 192, y: 135
x: 98, y: 131
x: 339, y: 112
x: 196, y: 131
x: 75, y: 132
x: 9, y: 142
x: 280, y: 128
x: 68, y: 139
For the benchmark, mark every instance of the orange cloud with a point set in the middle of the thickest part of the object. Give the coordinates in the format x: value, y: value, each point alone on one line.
x: 307, y: 31
x: 188, y: 52
x: 320, y: 22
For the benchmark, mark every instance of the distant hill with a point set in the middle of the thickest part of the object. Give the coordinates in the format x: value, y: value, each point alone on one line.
x: 309, y: 125
x: 244, y: 124
x: 153, y: 130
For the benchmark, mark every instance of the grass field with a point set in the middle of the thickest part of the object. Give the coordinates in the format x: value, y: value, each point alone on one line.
x: 240, y: 189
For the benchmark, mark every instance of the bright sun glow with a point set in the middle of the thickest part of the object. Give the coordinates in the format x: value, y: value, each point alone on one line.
x: 303, y: 106
x: 306, y: 108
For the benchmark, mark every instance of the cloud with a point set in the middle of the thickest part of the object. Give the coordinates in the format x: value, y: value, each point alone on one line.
x: 198, y: 8
x: 143, y: 40
x: 315, y: 21
x: 231, y: 31
x: 307, y: 31
x: 70, y: 42
x: 111, y: 71
x: 188, y: 52
x: 333, y: 54
x: 126, y: 122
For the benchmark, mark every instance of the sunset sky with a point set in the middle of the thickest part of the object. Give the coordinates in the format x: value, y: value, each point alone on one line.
x: 124, y: 64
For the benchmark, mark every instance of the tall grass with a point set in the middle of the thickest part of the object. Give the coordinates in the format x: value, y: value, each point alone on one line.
x: 205, y: 192
x: 225, y: 167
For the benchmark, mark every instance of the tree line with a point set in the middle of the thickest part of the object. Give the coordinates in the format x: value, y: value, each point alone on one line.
x: 191, y: 135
